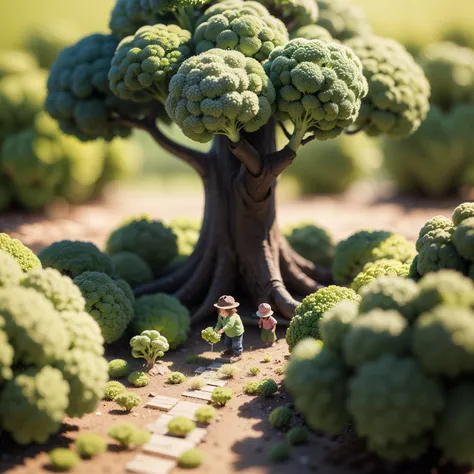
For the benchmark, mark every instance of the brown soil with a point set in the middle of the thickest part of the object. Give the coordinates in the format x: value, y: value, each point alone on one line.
x: 239, y: 440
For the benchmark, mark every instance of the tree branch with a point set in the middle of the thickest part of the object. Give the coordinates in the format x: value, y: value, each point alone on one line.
x: 355, y: 131
x: 247, y: 155
x: 278, y: 161
x: 198, y: 160
x: 285, y: 130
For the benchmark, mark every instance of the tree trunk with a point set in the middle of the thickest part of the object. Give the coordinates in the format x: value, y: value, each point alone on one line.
x: 240, y: 243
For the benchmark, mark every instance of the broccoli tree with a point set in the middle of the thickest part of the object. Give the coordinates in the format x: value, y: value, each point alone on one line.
x: 227, y: 73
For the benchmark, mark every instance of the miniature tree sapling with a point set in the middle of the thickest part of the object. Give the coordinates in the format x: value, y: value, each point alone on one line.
x: 210, y: 336
x: 149, y: 345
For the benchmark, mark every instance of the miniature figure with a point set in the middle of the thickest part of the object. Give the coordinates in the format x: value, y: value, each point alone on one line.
x: 267, y: 323
x: 230, y: 324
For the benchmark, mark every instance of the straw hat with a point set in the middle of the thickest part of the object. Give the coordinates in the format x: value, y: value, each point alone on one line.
x: 264, y: 310
x: 226, y: 302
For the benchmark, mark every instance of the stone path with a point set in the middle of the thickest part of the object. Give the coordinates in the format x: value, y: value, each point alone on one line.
x: 160, y: 455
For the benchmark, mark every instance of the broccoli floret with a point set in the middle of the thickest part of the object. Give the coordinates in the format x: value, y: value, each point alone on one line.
x: 128, y: 435
x: 280, y: 452
x: 312, y: 242
x: 221, y: 395
x: 398, y: 98
x: 176, y: 378
x: 374, y: 270
x: 294, y: 13
x: 151, y: 240
x: 138, y: 378
x: 463, y: 211
x: 393, y: 400
x: 10, y: 270
x: 162, y: 313
x: 14, y: 63
x: 297, y: 436
x: 305, y: 322
x: 149, y: 345
x: 205, y: 414
x: 317, y: 380
x: 72, y: 258
x: 210, y: 336
x: 132, y: 268
x: 390, y: 293
x: 220, y: 92
x: 126, y: 288
x: 89, y: 445
x: 23, y: 255
x: 128, y: 400
x: 435, y: 223
x: 118, y: 368
x: 187, y: 235
x: 336, y: 322
x: 106, y: 303
x: 267, y: 387
x: 319, y: 87
x: 191, y: 458
x: 463, y: 238
x: 312, y: 32
x: 366, y: 246
x: 144, y: 63
x: 442, y: 341
x: 63, y: 459
x: 181, y: 426
x: 374, y: 334
x: 436, y: 257
x: 436, y: 237
x: 112, y: 389
x: 280, y: 417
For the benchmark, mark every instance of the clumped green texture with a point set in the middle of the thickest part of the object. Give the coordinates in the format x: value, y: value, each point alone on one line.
x: 144, y: 63
x: 254, y: 371
x: 191, y: 458
x: 220, y: 92
x: 221, y: 395
x: 23, y: 255
x: 138, y: 378
x: 294, y: 13
x: 79, y: 97
x: 312, y: 32
x: 176, y: 378
x: 63, y: 459
x: 152, y: 240
x: 463, y: 239
x: 343, y: 19
x: 311, y: 242
x: 89, y: 445
x: 128, y: 400
x: 126, y: 288
x: 267, y: 387
x: 317, y: 380
x: 149, y: 345
x: 112, y: 389
x: 398, y: 98
x: 210, y: 336
x: 305, y: 322
x: 72, y: 258
x: 10, y: 270
x: 181, y: 426
x: 374, y: 270
x: 280, y: 452
x: 382, y: 404
x: 128, y: 435
x: 450, y: 70
x: 205, y: 414
x: 362, y: 247
x: 319, y: 87
x: 59, y: 289
x: 240, y: 27
x: 187, y: 235
x: 336, y: 322
x: 197, y: 383
x: 118, y: 368
x: 132, y: 268
x: 165, y: 314
x: 281, y: 417
x: 463, y: 211
x: 297, y: 436
x: 14, y: 63
x: 106, y: 303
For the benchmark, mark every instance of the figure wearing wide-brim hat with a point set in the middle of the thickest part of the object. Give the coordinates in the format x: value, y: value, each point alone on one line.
x: 230, y: 324
x: 267, y: 323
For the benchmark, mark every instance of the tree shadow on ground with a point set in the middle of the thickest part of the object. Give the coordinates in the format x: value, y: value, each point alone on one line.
x: 414, y: 202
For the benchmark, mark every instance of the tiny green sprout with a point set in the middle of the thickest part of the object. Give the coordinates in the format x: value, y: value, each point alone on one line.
x: 267, y: 359
x: 279, y: 370
x: 254, y: 371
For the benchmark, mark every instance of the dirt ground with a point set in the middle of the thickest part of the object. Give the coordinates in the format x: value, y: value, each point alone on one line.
x: 239, y: 440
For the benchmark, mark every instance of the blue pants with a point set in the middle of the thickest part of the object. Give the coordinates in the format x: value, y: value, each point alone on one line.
x: 235, y: 344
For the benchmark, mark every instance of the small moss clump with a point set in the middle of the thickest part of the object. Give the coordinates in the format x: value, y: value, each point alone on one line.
x: 128, y: 435
x: 254, y: 371
x: 112, y: 389
x: 205, y: 414
x: 118, y: 368
x: 267, y: 359
x: 191, y: 458
x: 176, y: 378
x: 297, y: 435
x: 221, y: 395
x: 281, y: 417
x: 227, y: 371
x: 139, y: 379
x: 90, y: 444
x: 280, y: 452
x: 267, y: 387
x: 251, y: 388
x: 181, y: 426
x: 197, y: 383
x: 63, y: 459
x: 128, y: 400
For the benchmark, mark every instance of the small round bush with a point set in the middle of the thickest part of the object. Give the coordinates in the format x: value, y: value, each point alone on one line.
x: 280, y: 417
x: 267, y: 388
x: 132, y: 268
x: 118, y: 368
x: 197, y: 383
x: 267, y: 359
x: 138, y: 378
x: 63, y: 459
x: 128, y: 435
x: 251, y: 388
x: 205, y: 414
x: 112, y: 389
x: 128, y: 400
x: 23, y: 255
x: 181, y: 426
x: 90, y: 444
x: 297, y: 435
x: 176, y: 378
x: 254, y: 371
x: 227, y: 371
x: 280, y: 452
x: 191, y: 458
x: 221, y: 395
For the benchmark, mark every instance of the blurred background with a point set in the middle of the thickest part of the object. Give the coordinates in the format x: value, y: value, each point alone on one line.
x: 429, y: 164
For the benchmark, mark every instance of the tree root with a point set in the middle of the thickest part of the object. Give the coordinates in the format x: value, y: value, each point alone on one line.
x: 285, y: 304
x: 312, y: 270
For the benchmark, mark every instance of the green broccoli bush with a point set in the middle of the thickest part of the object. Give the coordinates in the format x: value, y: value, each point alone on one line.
x: 10, y: 271
x: 267, y: 387
x: 128, y: 435
x: 305, y: 322
x: 210, y: 336
x: 409, y: 352
x: 191, y: 458
x: 149, y: 345
x: 187, y: 235
x: 251, y: 388
x: 280, y: 417
x: 89, y: 445
x: 165, y: 314
x: 373, y: 270
x: 119, y: 368
x: 181, y: 426
x: 128, y: 400
x: 63, y: 459
x: 132, y: 268
x: 138, y: 378
x: 221, y: 395
x: 23, y: 255
x: 176, y: 378
x: 205, y: 414
x: 112, y: 389
x: 297, y: 436
x: 280, y: 452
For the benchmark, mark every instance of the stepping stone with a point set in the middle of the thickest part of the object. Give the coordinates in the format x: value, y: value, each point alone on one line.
x: 167, y: 446
x: 200, y: 370
x: 209, y: 374
x: 162, y: 403
x: 223, y: 360
x: 199, y: 394
x: 143, y: 464
x: 196, y: 436
x: 215, y: 366
x: 216, y: 382
x: 187, y: 409
x: 160, y: 426
x: 208, y: 388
